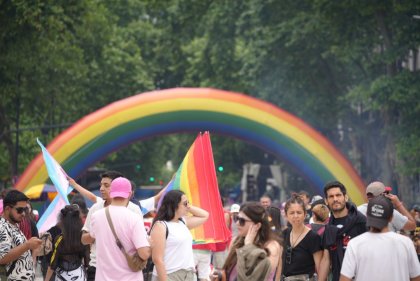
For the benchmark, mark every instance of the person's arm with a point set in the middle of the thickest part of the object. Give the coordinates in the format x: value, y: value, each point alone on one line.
x: 399, y: 206
x: 83, y: 191
x: 199, y: 216
x: 140, y: 240
x: 87, y: 239
x: 144, y: 252
x: 317, y: 259
x: 227, y: 219
x: 158, y: 236
x: 49, y: 274
x: 159, y: 195
x: 16, y: 252
x: 280, y: 265
x: 274, y: 256
x: 324, y: 266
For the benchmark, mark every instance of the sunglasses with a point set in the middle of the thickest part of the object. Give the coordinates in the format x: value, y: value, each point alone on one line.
x: 289, y: 251
x: 241, y: 220
x: 20, y: 210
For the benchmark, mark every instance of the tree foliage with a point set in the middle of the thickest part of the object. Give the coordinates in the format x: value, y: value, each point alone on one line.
x: 350, y: 69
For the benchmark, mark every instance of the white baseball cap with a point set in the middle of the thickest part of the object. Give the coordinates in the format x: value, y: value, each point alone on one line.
x: 235, y: 208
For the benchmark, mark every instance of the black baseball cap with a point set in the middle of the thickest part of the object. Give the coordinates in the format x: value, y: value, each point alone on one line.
x: 379, y: 211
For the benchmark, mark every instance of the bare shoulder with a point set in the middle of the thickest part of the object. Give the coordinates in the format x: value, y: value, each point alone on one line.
x: 158, y: 227
x: 273, y: 246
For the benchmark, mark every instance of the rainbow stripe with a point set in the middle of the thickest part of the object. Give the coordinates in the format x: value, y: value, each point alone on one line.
x: 196, y: 177
x: 194, y: 110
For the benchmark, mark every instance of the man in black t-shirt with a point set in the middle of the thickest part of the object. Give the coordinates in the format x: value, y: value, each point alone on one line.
x: 345, y: 223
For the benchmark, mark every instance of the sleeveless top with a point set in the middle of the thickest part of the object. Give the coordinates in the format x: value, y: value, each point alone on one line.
x: 178, y: 249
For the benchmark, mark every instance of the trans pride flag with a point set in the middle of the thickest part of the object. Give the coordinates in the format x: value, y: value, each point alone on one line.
x: 196, y: 177
x: 59, y: 179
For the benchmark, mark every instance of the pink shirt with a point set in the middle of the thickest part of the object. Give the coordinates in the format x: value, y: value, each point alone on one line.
x: 110, y: 261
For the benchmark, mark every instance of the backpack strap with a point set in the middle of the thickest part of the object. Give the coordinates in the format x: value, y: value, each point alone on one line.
x: 166, y: 226
x: 59, y: 239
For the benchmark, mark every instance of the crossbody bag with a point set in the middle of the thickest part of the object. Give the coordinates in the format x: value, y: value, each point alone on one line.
x: 135, y: 263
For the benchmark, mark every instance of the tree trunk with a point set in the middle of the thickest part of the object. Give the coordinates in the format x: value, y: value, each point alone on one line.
x: 6, y: 138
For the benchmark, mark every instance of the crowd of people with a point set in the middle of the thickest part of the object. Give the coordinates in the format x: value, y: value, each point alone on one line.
x: 305, y: 238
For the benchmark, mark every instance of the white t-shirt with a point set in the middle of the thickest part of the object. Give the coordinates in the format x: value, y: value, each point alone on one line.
x: 129, y: 227
x: 147, y: 205
x: 398, y: 220
x: 178, y: 249
x: 380, y: 256
x: 100, y: 203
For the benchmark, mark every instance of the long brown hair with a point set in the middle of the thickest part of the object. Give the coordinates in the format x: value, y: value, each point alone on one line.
x: 258, y: 214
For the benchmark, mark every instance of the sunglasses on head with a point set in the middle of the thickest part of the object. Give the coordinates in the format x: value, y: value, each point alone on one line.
x: 241, y: 220
x: 289, y: 251
x: 20, y: 210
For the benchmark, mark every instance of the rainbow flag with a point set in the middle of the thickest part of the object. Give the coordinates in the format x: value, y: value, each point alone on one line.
x: 59, y: 179
x: 196, y: 177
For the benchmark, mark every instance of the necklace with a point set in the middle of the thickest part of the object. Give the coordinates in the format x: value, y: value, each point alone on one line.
x: 297, y: 239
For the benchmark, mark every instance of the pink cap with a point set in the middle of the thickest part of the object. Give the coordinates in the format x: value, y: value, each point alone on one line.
x: 120, y: 187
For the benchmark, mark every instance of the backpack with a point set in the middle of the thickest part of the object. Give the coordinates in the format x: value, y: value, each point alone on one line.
x: 317, y: 228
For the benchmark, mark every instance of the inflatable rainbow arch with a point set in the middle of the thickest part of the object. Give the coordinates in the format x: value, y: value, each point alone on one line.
x: 194, y: 110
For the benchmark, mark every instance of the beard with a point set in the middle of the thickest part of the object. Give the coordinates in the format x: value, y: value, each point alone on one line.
x: 338, y: 207
x: 14, y: 220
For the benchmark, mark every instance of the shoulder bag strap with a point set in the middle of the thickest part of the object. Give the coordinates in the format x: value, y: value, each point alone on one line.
x: 108, y: 217
x: 285, y: 244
